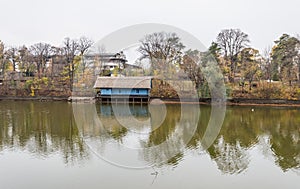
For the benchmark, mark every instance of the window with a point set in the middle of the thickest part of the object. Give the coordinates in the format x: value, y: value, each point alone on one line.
x: 137, y: 91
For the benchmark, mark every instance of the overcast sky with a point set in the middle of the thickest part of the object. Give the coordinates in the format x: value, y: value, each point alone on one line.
x: 31, y: 21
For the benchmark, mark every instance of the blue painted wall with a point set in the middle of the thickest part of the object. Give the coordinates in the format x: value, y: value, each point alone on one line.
x: 136, y: 92
x: 105, y: 91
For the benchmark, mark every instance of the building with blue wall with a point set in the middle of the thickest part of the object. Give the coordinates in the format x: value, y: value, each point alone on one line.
x: 123, y: 88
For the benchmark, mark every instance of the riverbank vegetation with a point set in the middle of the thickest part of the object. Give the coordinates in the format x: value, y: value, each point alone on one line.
x: 246, y: 72
x: 274, y: 73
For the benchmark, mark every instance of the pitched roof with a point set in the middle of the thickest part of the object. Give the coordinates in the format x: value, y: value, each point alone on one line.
x: 123, y: 82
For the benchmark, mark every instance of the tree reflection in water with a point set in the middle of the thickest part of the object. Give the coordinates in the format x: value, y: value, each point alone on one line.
x: 43, y: 128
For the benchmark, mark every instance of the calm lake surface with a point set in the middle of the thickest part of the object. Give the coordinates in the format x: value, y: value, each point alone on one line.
x: 60, y: 145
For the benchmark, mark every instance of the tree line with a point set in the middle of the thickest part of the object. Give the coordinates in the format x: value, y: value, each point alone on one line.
x: 34, y: 58
x: 32, y: 61
x: 247, y: 72
x: 241, y: 65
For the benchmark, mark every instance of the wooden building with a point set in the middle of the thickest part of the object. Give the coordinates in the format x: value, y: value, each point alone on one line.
x: 120, y: 89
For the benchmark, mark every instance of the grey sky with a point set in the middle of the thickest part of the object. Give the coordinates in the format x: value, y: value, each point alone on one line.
x: 30, y: 21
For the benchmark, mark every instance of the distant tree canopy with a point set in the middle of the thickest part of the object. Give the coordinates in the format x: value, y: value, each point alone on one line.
x: 238, y: 61
x: 249, y: 64
x: 285, y: 56
x: 40, y: 54
x: 232, y: 42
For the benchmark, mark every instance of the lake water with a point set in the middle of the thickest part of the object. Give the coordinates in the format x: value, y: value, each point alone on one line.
x: 60, y: 145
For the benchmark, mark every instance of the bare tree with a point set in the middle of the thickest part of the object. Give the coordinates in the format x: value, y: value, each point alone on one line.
x: 58, y: 62
x: 162, y: 49
x: 191, y: 66
x: 26, y: 64
x: 2, y: 58
x: 57, y: 51
x: 84, y: 45
x: 13, y: 56
x: 41, y: 53
x: 232, y: 42
x: 71, y: 49
x: 266, y: 67
x: 97, y: 50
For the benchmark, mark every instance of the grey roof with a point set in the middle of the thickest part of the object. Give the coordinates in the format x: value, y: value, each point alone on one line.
x: 123, y: 82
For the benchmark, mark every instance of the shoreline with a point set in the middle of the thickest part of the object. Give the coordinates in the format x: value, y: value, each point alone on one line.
x: 240, y: 102
x: 204, y: 101
x: 39, y: 98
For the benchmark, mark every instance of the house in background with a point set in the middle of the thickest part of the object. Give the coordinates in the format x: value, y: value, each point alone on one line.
x: 114, y: 89
x: 109, y: 63
x: 112, y: 64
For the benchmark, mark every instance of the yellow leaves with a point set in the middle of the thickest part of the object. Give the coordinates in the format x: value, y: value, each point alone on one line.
x: 32, y: 91
x: 116, y: 71
x: 10, y: 66
x: 45, y: 80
